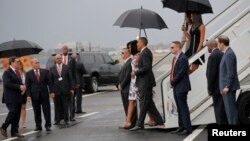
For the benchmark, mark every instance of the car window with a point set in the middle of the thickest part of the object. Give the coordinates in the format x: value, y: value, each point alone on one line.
x: 99, y: 59
x: 88, y: 58
x: 107, y: 59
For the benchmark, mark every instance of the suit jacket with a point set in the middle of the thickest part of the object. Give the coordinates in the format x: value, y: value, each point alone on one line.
x: 213, y: 67
x: 38, y: 89
x: 181, y: 82
x: 73, y: 68
x: 125, y: 76
x: 61, y: 87
x: 11, y: 87
x: 228, y: 71
x: 144, y: 76
x: 80, y: 72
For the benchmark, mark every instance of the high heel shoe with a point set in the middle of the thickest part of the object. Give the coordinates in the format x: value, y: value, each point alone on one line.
x: 24, y: 125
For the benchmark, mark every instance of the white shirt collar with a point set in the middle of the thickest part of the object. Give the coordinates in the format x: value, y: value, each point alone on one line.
x: 225, y: 50
x: 126, y: 60
x: 37, y: 70
x: 177, y: 55
x: 12, y: 68
x: 143, y: 49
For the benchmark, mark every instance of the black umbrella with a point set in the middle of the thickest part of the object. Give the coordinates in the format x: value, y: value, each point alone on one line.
x: 200, y: 6
x: 19, y: 48
x: 141, y: 19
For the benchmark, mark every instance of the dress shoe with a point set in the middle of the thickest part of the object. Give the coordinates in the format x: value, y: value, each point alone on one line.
x: 38, y: 129
x: 3, y: 132
x: 136, y: 128
x: 17, y: 135
x: 80, y: 112
x: 177, y: 131
x: 48, y: 129
x: 184, y: 132
x: 66, y: 122
x: 57, y: 122
x: 72, y: 119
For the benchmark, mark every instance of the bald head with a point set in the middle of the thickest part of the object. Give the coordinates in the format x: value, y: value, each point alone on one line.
x: 74, y: 56
x: 58, y: 58
x: 211, y: 44
x: 35, y: 63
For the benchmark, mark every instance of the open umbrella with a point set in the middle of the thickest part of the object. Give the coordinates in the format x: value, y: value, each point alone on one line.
x: 18, y: 48
x: 141, y: 19
x: 200, y: 6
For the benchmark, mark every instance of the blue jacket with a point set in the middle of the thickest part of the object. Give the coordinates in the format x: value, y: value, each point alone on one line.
x: 228, y: 71
x: 181, y: 82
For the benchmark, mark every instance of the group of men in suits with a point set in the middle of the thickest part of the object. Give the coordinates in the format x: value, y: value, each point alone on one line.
x: 63, y: 82
x: 222, y: 80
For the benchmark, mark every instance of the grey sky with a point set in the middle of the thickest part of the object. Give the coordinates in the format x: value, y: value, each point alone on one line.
x: 49, y: 22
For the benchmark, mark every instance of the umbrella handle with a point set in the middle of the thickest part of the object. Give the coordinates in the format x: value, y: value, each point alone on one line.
x: 145, y: 33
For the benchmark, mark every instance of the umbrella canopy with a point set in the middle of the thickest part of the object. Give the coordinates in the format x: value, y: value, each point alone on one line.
x: 141, y: 19
x: 18, y: 48
x: 200, y: 6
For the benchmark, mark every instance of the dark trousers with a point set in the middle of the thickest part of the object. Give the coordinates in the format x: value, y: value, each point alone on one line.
x: 147, y: 105
x: 183, y: 111
x: 78, y: 95
x: 72, y: 106
x: 62, y: 107
x: 125, y: 102
x: 13, y: 117
x: 231, y: 108
x: 219, y: 109
x: 45, y: 105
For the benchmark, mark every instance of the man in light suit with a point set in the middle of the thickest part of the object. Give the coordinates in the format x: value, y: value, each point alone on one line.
x: 63, y: 87
x: 39, y: 88
x: 229, y: 81
x: 145, y: 81
x: 180, y: 82
x: 213, y: 68
x: 13, y: 89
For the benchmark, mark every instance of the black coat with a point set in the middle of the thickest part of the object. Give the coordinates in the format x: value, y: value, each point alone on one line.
x: 144, y: 76
x: 11, y: 87
x: 38, y: 89
x: 61, y: 87
x: 125, y: 76
x: 213, y: 70
x: 80, y: 72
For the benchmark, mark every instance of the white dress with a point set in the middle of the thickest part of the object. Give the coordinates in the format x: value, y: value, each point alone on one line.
x: 133, y: 90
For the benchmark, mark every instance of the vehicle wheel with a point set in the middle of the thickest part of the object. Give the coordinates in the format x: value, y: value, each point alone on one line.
x: 244, y: 108
x: 94, y: 84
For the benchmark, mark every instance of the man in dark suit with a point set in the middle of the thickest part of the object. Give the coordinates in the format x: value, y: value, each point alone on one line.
x: 229, y: 81
x: 13, y: 88
x: 180, y: 82
x: 80, y: 71
x: 39, y: 86
x: 63, y: 87
x: 213, y: 67
x: 145, y: 82
x: 125, y: 78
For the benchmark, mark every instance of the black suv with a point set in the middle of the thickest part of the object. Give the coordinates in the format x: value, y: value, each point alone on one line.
x: 100, y: 67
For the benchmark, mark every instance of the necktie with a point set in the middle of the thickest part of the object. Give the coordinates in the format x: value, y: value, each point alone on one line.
x: 59, y: 69
x: 173, y: 65
x: 65, y: 60
x: 37, y: 75
x: 18, y: 74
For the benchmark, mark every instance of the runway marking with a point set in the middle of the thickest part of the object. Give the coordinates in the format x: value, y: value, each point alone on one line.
x: 25, y: 134
x: 86, y: 115
x: 195, y: 133
x: 84, y: 96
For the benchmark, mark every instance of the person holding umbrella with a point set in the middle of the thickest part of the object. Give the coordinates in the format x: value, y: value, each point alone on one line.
x: 196, y: 36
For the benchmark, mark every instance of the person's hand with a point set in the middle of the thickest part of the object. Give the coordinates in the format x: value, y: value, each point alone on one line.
x: 119, y: 87
x: 72, y: 92
x: 52, y: 95
x: 133, y: 74
x: 225, y: 90
x: 22, y: 88
x: 28, y: 98
x: 209, y: 92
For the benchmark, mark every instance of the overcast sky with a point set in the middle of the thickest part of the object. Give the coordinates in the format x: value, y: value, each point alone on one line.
x: 49, y: 22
